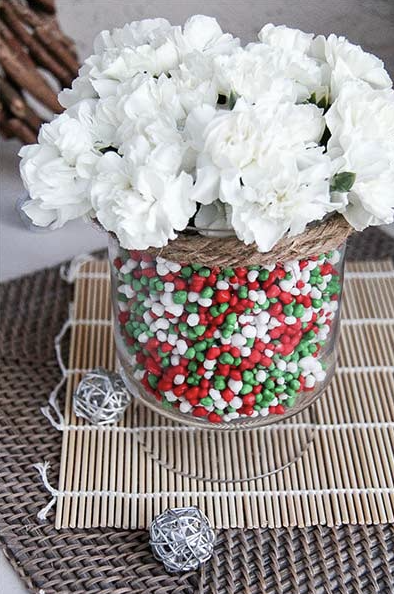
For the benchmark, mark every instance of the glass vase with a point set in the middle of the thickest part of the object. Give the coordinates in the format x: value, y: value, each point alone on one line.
x: 226, y: 347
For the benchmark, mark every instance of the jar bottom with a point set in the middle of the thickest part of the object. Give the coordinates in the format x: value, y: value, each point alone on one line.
x: 211, y: 455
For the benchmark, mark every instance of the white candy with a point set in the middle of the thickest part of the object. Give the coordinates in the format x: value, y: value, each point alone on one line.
x: 175, y: 309
x: 268, y: 353
x: 128, y: 266
x: 222, y: 285
x: 305, y: 276
x: 208, y: 374
x: 167, y: 299
x: 158, y: 309
x: 204, y: 302
x: 315, y: 293
x: 182, y: 347
x: 179, y: 379
x: 249, y: 331
x: 252, y: 275
x: 306, y: 289
x: 122, y: 306
x: 262, y: 297
x: 295, y: 291
x: 274, y: 323
x: 264, y: 412
x: 266, y: 339
x: 170, y: 396
x: 245, y: 351
x: 209, y: 363
x: 286, y: 285
x: 144, y: 264
x: 336, y: 256
x: 290, y: 320
x: 262, y: 318
x: 235, y: 385
x: 253, y: 295
x: 261, y: 376
x: 238, y: 340
x: 175, y: 360
x: 185, y: 406
x: 236, y: 402
x: 230, y: 416
x: 310, y: 381
x: 161, y: 269
x: 220, y: 404
x: 215, y: 394
x: 126, y: 290
x: 320, y: 375
x: 147, y: 317
x: 171, y: 339
x: 193, y: 297
x: 162, y: 324
x: 161, y: 336
x: 280, y: 381
x: 174, y: 266
x: 169, y: 287
x: 225, y: 340
x: 261, y: 331
x: 291, y: 367
x: 143, y: 337
x: 243, y: 319
x: 311, y: 265
x: 281, y: 365
x: 139, y: 374
x: 307, y: 316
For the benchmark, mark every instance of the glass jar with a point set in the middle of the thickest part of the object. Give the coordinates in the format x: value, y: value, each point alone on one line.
x: 226, y: 347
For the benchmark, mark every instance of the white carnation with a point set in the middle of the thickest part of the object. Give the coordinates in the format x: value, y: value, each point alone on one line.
x: 343, y: 61
x: 361, y: 122
x: 138, y: 198
x: 286, y: 38
x: 57, y: 172
x: 283, y: 194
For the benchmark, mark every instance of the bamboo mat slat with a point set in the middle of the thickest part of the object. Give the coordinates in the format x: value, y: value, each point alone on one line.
x: 124, y: 475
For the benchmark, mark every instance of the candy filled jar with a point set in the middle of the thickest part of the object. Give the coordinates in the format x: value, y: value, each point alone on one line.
x: 226, y: 346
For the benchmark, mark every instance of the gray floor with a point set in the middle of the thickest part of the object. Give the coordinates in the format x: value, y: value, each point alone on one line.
x: 367, y: 22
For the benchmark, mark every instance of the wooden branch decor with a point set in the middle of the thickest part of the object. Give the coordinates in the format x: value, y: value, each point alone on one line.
x: 31, y: 42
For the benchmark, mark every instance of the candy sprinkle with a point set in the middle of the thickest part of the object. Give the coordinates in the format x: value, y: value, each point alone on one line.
x: 223, y: 344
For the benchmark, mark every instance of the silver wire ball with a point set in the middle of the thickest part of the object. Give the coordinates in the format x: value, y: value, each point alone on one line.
x: 182, y: 538
x: 101, y: 397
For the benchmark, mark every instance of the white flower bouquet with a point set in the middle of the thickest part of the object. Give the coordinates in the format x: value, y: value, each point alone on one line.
x: 169, y: 127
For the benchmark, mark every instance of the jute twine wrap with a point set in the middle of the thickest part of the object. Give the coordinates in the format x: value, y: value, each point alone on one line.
x: 230, y: 251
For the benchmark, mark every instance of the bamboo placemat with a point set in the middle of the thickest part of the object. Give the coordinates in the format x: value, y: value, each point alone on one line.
x: 123, y: 476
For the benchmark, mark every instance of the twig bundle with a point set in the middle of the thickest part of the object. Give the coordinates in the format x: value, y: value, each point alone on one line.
x: 31, y: 41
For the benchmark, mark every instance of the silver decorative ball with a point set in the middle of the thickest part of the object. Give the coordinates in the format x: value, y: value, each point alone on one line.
x: 101, y: 397
x: 182, y: 538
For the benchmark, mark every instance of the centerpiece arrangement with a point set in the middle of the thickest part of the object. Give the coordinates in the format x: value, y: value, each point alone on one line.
x: 228, y: 179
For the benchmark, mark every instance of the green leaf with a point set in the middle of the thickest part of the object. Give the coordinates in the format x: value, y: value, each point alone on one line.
x: 232, y: 100
x: 343, y: 182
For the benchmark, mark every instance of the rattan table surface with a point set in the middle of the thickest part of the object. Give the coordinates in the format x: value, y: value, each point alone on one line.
x: 346, y: 559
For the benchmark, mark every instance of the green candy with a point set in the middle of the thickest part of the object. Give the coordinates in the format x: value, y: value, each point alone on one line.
x: 246, y: 389
x: 180, y: 297
x: 186, y: 271
x: 207, y: 401
x: 207, y: 293
x: 199, y: 329
x: 205, y: 272
x: 190, y: 353
x: 226, y: 359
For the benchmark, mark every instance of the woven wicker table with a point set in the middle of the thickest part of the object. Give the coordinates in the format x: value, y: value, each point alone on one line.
x: 347, y: 559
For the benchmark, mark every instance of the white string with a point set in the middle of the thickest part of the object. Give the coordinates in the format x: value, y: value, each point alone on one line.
x: 69, y: 272
x: 98, y: 322
x: 53, y: 397
x: 370, y: 274
x: 368, y: 368
x: 363, y: 321
x: 44, y: 467
x: 278, y: 427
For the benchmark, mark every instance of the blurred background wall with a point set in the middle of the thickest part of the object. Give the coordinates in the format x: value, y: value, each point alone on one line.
x: 366, y: 22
